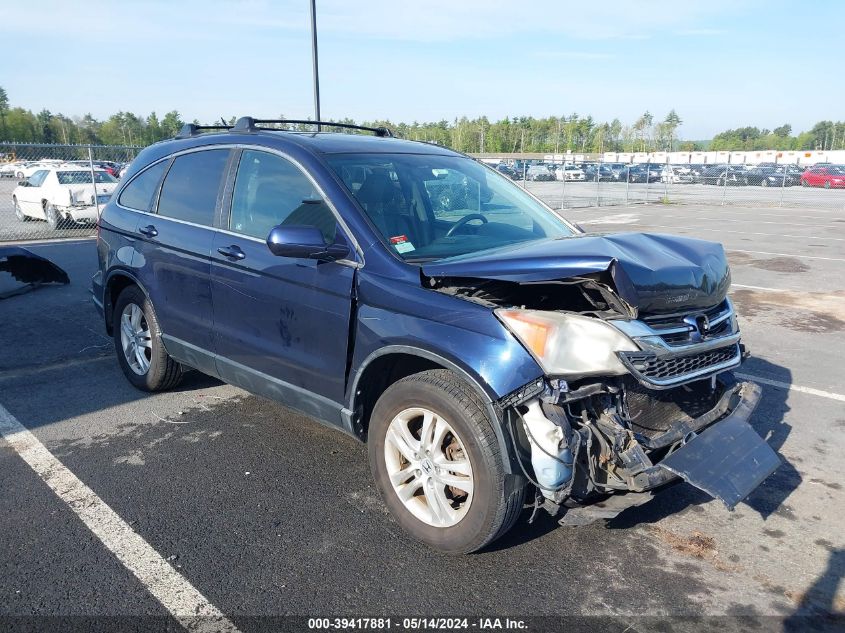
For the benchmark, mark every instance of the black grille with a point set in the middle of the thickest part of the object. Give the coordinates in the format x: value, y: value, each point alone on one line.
x: 652, y: 411
x: 651, y: 367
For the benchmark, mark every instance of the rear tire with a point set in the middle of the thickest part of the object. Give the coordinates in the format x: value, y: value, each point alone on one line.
x: 469, y: 520
x: 54, y: 220
x: 137, y: 342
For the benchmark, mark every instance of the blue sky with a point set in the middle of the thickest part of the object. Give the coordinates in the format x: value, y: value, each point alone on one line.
x: 719, y: 63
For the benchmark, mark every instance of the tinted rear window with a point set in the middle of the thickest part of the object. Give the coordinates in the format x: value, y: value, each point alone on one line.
x: 139, y: 193
x: 189, y: 192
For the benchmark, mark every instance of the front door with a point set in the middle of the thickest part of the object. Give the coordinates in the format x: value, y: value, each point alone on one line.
x: 281, y: 324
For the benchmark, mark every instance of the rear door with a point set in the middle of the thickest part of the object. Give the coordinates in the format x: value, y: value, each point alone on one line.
x: 281, y: 324
x: 29, y: 197
x: 173, y: 257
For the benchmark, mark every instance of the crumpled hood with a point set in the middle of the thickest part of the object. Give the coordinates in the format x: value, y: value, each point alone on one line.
x: 656, y: 273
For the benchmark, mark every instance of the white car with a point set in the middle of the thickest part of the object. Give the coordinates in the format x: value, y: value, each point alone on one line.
x: 10, y: 170
x: 570, y: 172
x: 62, y: 194
x: 674, y: 174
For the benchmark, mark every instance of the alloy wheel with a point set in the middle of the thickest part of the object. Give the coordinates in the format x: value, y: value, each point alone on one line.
x: 428, y: 467
x: 135, y: 339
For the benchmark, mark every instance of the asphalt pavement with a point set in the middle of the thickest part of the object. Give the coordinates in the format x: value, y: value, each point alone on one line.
x: 266, y: 513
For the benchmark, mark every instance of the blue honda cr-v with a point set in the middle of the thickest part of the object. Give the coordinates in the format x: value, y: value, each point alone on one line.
x: 420, y: 301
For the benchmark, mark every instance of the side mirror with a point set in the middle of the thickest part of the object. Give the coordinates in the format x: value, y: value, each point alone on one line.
x: 23, y: 183
x: 303, y: 242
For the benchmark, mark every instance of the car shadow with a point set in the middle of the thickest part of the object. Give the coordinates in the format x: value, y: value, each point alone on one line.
x: 819, y: 609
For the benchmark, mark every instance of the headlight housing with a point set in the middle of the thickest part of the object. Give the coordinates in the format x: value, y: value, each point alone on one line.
x: 568, y: 345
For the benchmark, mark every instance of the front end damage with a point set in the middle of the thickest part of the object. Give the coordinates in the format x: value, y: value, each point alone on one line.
x: 637, y: 393
x: 624, y: 438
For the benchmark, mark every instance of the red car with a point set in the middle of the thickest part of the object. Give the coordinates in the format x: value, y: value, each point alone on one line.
x: 827, y: 177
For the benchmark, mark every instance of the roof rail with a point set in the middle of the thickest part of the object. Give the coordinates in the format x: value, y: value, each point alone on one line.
x: 189, y: 129
x: 248, y: 124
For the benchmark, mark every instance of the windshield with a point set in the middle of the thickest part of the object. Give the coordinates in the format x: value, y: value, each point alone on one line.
x: 83, y: 177
x: 428, y: 207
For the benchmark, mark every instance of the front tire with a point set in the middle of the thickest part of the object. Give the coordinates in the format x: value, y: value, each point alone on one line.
x: 137, y: 341
x: 438, y: 464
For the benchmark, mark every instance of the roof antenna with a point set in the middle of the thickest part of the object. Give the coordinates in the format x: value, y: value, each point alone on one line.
x: 223, y: 121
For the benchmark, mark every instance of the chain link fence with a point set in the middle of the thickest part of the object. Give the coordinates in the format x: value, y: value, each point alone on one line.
x: 56, y: 191
x: 597, y: 184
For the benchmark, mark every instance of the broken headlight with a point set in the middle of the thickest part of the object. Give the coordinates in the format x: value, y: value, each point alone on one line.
x: 568, y: 344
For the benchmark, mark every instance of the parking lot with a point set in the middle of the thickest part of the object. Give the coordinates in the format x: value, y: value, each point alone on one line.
x: 265, y: 513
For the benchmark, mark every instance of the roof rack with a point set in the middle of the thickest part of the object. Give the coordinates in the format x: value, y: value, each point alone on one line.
x: 248, y: 124
x: 189, y: 129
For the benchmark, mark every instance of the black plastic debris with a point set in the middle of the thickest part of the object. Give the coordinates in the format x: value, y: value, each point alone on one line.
x: 27, y: 268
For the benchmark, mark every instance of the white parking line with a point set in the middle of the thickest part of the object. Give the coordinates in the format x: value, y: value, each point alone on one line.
x: 176, y: 594
x: 786, y: 385
x: 720, y: 230
x: 756, y: 221
x: 798, y: 255
x: 733, y: 285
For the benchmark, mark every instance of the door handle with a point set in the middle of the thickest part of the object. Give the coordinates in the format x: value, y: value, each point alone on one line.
x: 149, y: 230
x: 232, y: 251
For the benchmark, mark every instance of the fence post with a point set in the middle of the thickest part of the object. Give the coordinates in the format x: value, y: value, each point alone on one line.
x: 94, y: 181
x: 664, y: 174
x: 782, y: 186
x: 627, y: 181
x: 524, y: 173
x: 598, y: 183
x: 647, y: 179
x: 563, y: 186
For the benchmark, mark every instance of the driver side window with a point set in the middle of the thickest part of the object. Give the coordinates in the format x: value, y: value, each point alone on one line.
x: 270, y: 190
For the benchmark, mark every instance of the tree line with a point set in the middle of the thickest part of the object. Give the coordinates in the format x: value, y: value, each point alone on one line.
x: 554, y: 134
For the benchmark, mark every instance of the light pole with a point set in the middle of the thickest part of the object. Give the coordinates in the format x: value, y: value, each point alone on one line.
x: 314, y: 60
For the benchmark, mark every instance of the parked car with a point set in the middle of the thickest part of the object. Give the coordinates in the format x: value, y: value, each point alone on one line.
x: 570, y: 172
x: 62, y: 195
x: 642, y: 172
x: 772, y: 177
x: 696, y: 170
x: 503, y: 169
x: 602, y: 172
x: 539, y: 173
x: 731, y: 175
x: 481, y: 357
x: 828, y: 177
x: 676, y: 174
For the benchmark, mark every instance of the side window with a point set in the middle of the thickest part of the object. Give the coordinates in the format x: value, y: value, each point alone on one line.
x: 190, y: 189
x: 269, y: 191
x: 37, y: 179
x: 139, y: 193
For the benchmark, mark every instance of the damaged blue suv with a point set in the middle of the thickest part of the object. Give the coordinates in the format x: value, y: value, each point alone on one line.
x: 490, y: 353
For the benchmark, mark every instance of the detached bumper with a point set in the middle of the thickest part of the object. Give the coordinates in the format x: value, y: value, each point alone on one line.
x: 80, y: 213
x: 727, y: 460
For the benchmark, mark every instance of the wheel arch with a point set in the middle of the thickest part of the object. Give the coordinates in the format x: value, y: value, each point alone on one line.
x: 116, y: 282
x: 389, y: 364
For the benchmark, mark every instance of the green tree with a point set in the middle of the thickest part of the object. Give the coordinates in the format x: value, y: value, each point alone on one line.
x: 4, y: 110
